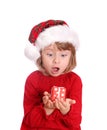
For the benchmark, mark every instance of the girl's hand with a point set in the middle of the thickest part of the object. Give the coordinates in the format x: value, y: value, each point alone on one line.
x: 48, y: 104
x: 64, y: 105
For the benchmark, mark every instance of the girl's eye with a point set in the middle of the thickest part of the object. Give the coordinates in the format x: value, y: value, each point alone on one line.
x: 63, y: 55
x: 50, y: 54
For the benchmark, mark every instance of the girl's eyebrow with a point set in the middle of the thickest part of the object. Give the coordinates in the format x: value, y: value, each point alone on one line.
x: 49, y: 49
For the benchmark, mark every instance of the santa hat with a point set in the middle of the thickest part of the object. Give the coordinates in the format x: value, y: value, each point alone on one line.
x: 49, y: 32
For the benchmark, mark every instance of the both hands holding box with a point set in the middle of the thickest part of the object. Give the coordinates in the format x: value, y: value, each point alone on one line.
x: 57, y: 100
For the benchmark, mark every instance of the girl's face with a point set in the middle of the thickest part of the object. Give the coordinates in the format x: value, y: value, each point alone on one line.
x: 55, y: 61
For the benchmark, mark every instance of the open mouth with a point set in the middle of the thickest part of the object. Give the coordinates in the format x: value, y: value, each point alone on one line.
x: 55, y: 69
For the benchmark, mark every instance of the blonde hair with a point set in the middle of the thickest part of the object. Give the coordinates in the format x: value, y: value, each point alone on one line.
x: 61, y: 46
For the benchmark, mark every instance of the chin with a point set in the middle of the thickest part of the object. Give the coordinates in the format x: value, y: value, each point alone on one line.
x: 55, y: 74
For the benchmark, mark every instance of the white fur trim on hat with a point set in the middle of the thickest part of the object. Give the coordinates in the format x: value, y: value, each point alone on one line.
x: 59, y: 33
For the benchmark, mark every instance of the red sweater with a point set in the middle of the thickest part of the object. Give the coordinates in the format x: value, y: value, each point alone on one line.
x: 35, y: 117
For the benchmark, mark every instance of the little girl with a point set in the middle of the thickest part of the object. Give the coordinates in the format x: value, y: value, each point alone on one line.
x: 53, y: 49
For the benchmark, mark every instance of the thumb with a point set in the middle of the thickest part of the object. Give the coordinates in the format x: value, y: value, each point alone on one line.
x: 72, y: 101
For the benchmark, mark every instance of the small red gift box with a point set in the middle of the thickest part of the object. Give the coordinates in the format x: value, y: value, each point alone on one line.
x: 58, y: 92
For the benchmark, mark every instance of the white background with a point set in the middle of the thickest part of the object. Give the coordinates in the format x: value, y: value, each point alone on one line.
x: 89, y: 19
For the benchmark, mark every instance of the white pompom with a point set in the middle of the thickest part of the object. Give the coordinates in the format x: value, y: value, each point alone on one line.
x: 31, y: 52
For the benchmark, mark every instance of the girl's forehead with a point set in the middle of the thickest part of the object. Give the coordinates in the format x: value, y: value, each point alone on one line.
x: 51, y: 47
x: 54, y: 48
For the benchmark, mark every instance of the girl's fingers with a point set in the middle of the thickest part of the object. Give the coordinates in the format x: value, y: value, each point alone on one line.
x: 51, y: 105
x: 60, y: 104
x: 45, y: 99
x: 47, y: 94
x: 70, y: 101
x: 63, y: 104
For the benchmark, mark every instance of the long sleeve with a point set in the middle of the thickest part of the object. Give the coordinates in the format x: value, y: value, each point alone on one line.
x: 34, y: 114
x: 73, y: 117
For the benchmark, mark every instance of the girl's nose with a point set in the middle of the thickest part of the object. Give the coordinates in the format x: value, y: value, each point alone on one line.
x: 56, y: 59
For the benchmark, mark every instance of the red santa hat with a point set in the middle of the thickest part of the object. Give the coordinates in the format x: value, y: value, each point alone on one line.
x: 49, y: 32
